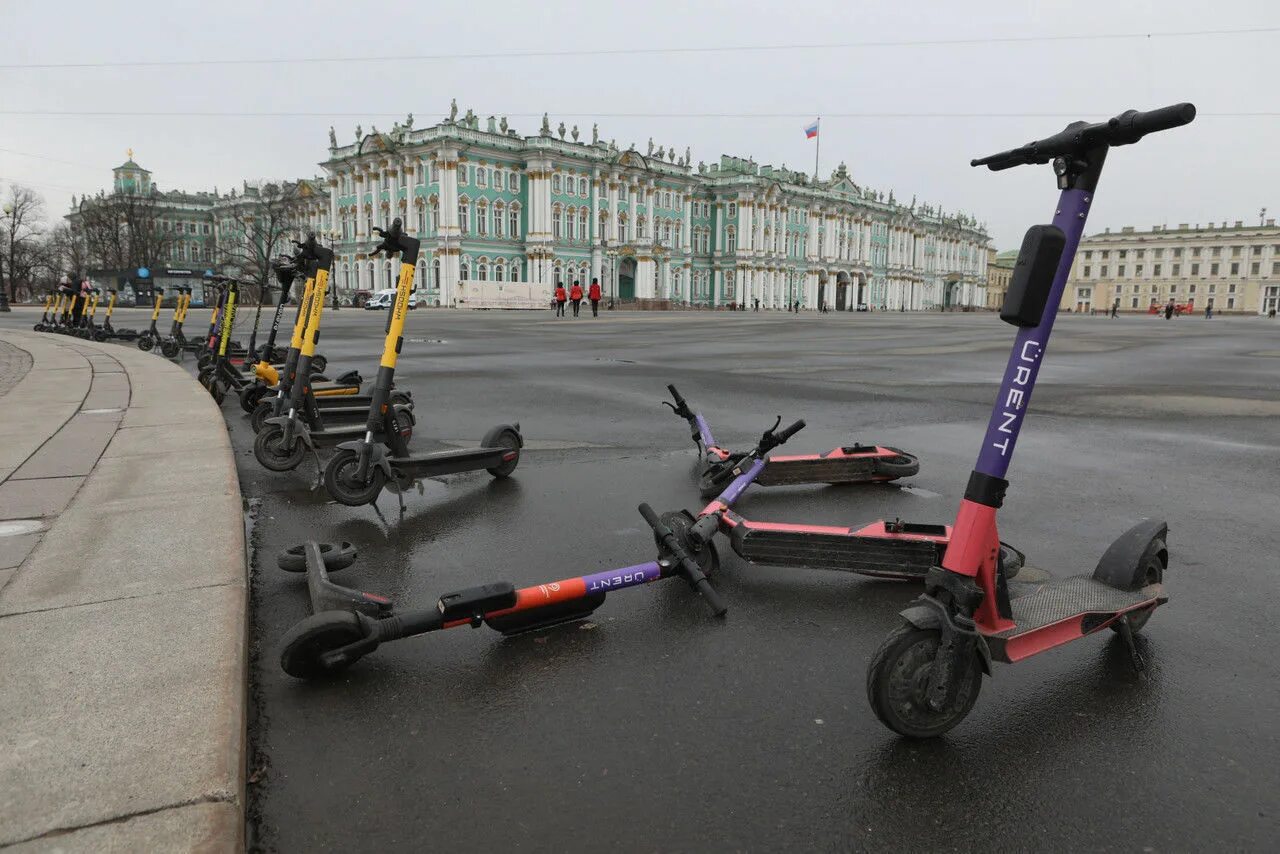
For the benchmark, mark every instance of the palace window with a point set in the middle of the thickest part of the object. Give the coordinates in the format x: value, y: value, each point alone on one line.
x: 1216, y: 252
x: 1191, y: 288
x: 622, y: 226
x: 1213, y: 269
x: 482, y: 269
x: 1177, y: 269
x: 1231, y: 302
x: 582, y: 187
x: 639, y: 228
x: 1256, y: 250
x: 435, y: 173
x: 514, y: 221
x: 482, y: 176
x: 570, y: 230
x: 730, y: 239
x: 602, y: 225
x: 733, y: 209
x: 464, y: 216
x: 499, y: 212
x: 622, y: 192
x: 1235, y: 251
x: 500, y: 270
x: 498, y: 181
x: 1087, y: 272
x: 557, y: 224
x: 462, y: 174
x: 513, y: 182
x: 1235, y: 268
x: 1137, y: 271
x: 435, y: 211
x: 582, y: 225
x: 422, y: 220
x: 482, y: 218
x: 464, y: 268
x: 555, y: 183
x: 666, y: 233
x: 1195, y: 269
x: 435, y: 274
x: 1120, y: 271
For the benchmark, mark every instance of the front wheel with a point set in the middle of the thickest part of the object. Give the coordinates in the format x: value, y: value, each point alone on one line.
x: 319, y: 363
x: 504, y: 437
x: 169, y: 348
x: 269, y: 449
x: 303, y: 648
x: 343, y: 484
x: 145, y: 342
x: 261, y: 412
x: 898, y: 679
x: 900, y: 466
x: 250, y: 395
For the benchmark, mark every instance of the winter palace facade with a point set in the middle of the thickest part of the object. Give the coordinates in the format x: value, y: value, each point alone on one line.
x: 492, y: 205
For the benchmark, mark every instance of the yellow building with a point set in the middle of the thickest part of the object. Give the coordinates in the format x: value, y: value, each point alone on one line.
x: 999, y: 270
x: 1233, y: 267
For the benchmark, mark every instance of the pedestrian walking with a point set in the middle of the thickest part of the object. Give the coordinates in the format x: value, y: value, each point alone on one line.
x: 561, y: 296
x: 1208, y: 312
x: 1168, y: 311
x: 575, y: 296
x: 756, y: 302
x: 593, y: 294
x: 1115, y: 308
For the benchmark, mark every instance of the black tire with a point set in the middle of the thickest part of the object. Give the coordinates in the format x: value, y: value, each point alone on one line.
x: 895, y: 682
x: 306, y: 642
x: 39, y: 327
x: 679, y: 522
x: 319, y: 363
x: 169, y: 349
x: 337, y: 556
x: 903, y: 465
x: 268, y: 450
x: 218, y: 390
x: 250, y: 395
x: 204, y: 377
x: 1012, y: 560
x: 1148, y: 570
x: 145, y: 342
x: 99, y: 335
x: 503, y: 437
x: 339, y: 480
x: 204, y: 362
x: 261, y: 412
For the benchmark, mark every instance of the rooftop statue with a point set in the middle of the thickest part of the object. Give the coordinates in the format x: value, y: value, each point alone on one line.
x: 453, y: 110
x: 546, y: 126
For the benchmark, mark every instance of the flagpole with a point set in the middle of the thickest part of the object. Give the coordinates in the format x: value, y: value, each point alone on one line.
x: 817, y: 147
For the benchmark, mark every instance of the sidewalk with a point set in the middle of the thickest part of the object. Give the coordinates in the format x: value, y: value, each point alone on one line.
x: 123, y: 604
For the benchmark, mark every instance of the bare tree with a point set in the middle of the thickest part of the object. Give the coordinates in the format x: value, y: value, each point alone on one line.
x: 21, y: 216
x: 257, y: 226
x: 123, y: 231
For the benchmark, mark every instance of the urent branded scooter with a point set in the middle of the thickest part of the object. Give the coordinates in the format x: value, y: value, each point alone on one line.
x: 926, y: 676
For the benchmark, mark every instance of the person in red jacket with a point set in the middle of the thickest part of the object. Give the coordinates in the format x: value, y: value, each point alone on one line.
x: 593, y: 294
x: 560, y: 298
x: 575, y: 295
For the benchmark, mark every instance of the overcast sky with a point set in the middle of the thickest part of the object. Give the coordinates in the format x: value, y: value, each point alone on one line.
x: 1220, y: 168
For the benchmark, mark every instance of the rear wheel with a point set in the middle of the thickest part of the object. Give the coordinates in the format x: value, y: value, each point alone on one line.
x: 145, y: 342
x: 169, y: 348
x: 336, y: 556
x: 899, y: 466
x: 319, y: 363
x: 269, y: 450
x: 898, y: 678
x: 504, y: 437
x: 343, y: 484
x: 1148, y: 570
x: 303, y: 648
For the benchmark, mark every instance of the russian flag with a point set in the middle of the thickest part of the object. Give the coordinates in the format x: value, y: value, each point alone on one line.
x: 811, y: 131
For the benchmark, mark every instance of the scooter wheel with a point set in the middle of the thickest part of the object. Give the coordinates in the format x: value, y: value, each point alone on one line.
x: 897, y: 680
x: 503, y: 437
x: 1011, y: 560
x: 261, y: 412
x: 169, y: 349
x: 204, y: 377
x: 336, y: 556
x: 319, y: 363
x: 99, y: 335
x: 39, y: 327
x: 303, y: 648
x: 219, y: 392
x: 250, y: 395
x: 145, y: 342
x: 1148, y: 570
x: 269, y: 450
x: 340, y: 480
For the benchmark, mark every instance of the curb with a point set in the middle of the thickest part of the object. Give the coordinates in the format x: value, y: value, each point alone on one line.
x: 124, y: 622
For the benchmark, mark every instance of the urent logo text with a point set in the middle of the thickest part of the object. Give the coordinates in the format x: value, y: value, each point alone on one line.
x: 1015, y: 398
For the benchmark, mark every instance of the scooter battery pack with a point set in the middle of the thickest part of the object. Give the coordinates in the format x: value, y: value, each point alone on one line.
x: 477, y: 601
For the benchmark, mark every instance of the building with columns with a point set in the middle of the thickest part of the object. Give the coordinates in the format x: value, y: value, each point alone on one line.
x: 1231, y: 266
x: 490, y: 205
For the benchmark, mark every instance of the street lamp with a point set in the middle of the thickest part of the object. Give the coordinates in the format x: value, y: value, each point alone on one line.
x: 4, y: 294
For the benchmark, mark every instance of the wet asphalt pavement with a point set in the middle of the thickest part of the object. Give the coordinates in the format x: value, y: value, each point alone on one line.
x: 655, y: 727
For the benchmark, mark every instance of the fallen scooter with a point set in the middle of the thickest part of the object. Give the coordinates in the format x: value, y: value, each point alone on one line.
x: 927, y: 674
x: 848, y: 464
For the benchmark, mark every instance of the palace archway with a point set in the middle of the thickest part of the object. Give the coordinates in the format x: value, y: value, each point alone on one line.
x: 627, y: 278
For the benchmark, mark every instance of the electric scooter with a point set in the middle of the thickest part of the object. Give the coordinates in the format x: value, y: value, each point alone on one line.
x: 283, y: 441
x: 148, y: 339
x: 926, y: 676
x: 358, y: 471
x: 854, y: 463
x: 265, y: 370
x: 347, y: 624
x: 43, y: 322
x: 177, y: 341
x: 88, y: 327
x: 107, y: 331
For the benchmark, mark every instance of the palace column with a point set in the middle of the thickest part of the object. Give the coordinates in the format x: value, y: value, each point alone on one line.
x: 593, y: 227
x: 449, y: 238
x: 611, y: 220
x: 686, y: 224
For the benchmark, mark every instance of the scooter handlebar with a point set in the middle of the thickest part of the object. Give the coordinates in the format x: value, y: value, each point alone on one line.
x: 689, y: 568
x: 790, y: 431
x: 1124, y: 129
x: 681, y: 406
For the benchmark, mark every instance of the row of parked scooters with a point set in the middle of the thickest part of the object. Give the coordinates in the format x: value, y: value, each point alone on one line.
x: 925, y: 677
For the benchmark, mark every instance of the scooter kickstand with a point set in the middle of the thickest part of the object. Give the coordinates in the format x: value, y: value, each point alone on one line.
x: 319, y: 468
x: 1126, y: 632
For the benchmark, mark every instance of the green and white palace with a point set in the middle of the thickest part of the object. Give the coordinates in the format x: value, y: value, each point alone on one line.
x: 491, y: 205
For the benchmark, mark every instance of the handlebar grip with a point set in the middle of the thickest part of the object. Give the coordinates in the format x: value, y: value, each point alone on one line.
x: 675, y: 395
x: 791, y: 431
x: 649, y: 516
x: 712, y: 598
x: 1131, y: 125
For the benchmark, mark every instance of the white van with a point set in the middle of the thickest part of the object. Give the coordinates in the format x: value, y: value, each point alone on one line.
x: 384, y: 299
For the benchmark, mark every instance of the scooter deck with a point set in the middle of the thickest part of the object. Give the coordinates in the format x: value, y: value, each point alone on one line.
x: 838, y: 466
x: 1062, y: 610
x: 870, y: 550
x: 451, y: 462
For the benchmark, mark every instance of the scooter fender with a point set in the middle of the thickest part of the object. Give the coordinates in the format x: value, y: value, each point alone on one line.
x: 494, y: 432
x: 377, y: 456
x: 928, y: 613
x: 300, y: 429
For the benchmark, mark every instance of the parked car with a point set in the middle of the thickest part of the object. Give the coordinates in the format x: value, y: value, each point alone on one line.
x: 384, y: 298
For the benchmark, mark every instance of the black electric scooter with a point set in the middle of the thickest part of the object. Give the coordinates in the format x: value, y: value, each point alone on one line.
x: 926, y: 675
x: 151, y: 335
x: 107, y: 332
x: 358, y: 471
